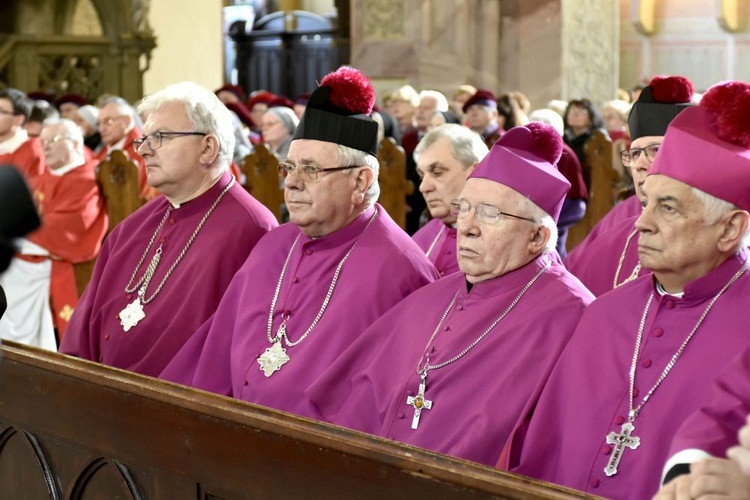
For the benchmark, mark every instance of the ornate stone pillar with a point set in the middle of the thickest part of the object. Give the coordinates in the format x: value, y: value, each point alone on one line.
x: 590, y: 49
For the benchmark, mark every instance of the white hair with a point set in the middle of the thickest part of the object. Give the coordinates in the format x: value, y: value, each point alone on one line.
x: 441, y: 101
x: 550, y: 117
x: 543, y: 219
x: 350, y: 156
x: 715, y: 208
x: 204, y: 110
x: 467, y: 146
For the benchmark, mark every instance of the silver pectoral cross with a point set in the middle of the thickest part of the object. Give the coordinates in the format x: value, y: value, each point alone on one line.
x: 275, y: 356
x: 132, y: 314
x: 621, y: 440
x: 419, y: 402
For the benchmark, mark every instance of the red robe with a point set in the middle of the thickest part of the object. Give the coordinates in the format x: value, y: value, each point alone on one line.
x: 74, y: 221
x: 28, y: 158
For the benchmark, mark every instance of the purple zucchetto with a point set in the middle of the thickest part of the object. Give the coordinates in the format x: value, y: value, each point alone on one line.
x: 525, y: 159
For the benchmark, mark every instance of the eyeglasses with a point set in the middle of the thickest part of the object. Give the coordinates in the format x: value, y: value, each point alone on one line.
x: 308, y: 172
x: 55, y: 140
x: 155, y: 139
x: 484, y: 212
x: 108, y: 122
x: 630, y: 156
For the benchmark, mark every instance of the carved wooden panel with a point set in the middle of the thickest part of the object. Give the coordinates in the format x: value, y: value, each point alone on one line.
x: 119, y: 180
x: 262, y: 179
x: 79, y: 430
x: 394, y: 186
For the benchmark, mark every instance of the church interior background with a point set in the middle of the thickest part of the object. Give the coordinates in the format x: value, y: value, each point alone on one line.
x: 546, y: 48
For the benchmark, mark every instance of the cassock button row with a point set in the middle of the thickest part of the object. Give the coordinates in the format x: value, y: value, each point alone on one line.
x: 308, y: 252
x: 594, y: 482
x: 164, y: 239
x: 295, y: 280
x: 658, y: 332
x: 400, y: 416
x: 117, y: 316
x: 646, y: 363
x: 460, y: 307
x: 619, y: 420
x: 670, y: 304
x: 172, y: 221
x: 636, y: 392
x: 106, y: 337
x: 606, y: 449
x: 410, y: 392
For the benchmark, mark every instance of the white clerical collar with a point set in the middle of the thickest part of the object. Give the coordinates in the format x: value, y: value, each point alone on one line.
x: 10, y: 145
x: 75, y: 162
x: 661, y: 291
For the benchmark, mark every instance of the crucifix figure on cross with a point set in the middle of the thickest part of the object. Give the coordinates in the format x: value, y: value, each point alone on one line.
x: 419, y: 402
x: 621, y: 440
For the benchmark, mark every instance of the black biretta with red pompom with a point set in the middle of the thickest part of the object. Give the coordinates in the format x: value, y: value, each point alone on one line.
x: 663, y: 99
x: 338, y: 112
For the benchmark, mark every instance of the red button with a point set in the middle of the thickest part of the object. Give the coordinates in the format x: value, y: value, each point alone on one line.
x: 670, y: 304
x: 171, y: 221
x: 287, y: 312
x: 658, y: 332
x: 442, y: 273
x: 164, y: 239
x: 460, y: 308
x: 606, y: 449
x: 308, y: 252
x: 646, y: 363
x: 448, y: 252
x: 400, y: 415
x: 106, y: 337
x: 636, y: 392
x: 448, y: 328
x: 295, y: 279
x: 410, y: 392
x: 594, y: 482
x: 619, y: 420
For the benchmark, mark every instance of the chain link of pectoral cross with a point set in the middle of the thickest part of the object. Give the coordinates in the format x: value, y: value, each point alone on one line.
x: 423, y: 366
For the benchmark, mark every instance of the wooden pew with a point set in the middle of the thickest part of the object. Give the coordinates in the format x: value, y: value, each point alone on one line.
x: 394, y: 186
x: 262, y: 179
x: 604, y: 178
x: 74, y: 429
x: 118, y: 178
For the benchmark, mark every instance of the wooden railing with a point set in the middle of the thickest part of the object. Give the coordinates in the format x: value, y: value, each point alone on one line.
x: 74, y: 429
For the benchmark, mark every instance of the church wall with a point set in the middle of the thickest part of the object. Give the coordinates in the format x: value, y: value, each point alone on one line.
x: 189, y: 44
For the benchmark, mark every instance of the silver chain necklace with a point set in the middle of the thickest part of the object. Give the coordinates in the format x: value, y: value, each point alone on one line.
x: 434, y: 242
x: 636, y: 269
x: 133, y: 312
x: 274, y: 357
x: 423, y: 366
x: 624, y: 438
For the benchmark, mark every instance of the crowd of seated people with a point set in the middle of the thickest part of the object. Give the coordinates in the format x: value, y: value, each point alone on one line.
x: 611, y: 347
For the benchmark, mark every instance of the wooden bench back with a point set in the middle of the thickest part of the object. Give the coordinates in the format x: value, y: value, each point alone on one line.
x: 118, y: 178
x: 394, y: 186
x: 262, y: 179
x: 74, y: 429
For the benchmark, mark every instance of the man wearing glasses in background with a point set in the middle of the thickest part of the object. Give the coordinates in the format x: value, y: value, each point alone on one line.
x: 164, y: 269
x: 118, y: 130
x: 16, y: 147
x: 608, y: 257
x: 40, y: 283
x: 312, y: 286
x: 456, y: 364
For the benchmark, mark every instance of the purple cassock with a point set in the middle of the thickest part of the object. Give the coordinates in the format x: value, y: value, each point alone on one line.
x: 713, y: 429
x: 596, y: 260
x: 384, y: 267
x: 586, y: 399
x: 190, y: 295
x: 475, y: 400
x: 438, y: 241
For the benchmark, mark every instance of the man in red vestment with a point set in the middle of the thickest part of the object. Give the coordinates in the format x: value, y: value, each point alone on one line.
x: 118, y: 128
x: 16, y: 148
x: 74, y: 222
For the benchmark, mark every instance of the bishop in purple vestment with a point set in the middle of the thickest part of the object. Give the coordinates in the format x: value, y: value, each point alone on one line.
x: 644, y: 356
x: 445, y: 157
x: 608, y: 257
x: 454, y: 365
x: 138, y: 310
x: 312, y: 286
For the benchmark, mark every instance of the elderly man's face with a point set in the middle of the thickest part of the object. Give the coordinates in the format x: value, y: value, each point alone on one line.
x: 676, y: 242
x: 641, y: 167
x: 58, y: 147
x: 425, y: 111
x: 328, y: 204
x: 175, y: 168
x: 113, y: 124
x: 479, y: 117
x: 487, y: 250
x: 443, y: 178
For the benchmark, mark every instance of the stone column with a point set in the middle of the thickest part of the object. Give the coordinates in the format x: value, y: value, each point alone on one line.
x: 590, y: 49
